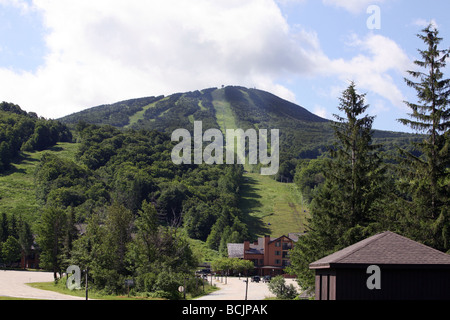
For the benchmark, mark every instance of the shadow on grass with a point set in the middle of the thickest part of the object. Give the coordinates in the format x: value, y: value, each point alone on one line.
x: 250, y: 202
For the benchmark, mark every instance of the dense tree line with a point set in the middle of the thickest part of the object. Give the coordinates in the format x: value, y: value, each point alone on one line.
x: 356, y: 194
x: 22, y: 131
x: 135, y: 210
x: 117, y: 114
x: 16, y: 240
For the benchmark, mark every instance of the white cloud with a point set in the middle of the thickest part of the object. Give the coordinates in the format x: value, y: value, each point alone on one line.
x: 375, y: 69
x: 353, y: 6
x: 321, y: 111
x: 423, y: 23
x: 106, y: 50
x: 22, y: 5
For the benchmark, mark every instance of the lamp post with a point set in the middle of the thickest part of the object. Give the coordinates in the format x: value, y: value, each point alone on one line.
x: 86, y: 282
x: 246, y: 287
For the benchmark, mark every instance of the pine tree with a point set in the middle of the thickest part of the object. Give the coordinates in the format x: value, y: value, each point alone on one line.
x: 347, y: 207
x: 26, y: 240
x: 51, y: 231
x: 426, y: 212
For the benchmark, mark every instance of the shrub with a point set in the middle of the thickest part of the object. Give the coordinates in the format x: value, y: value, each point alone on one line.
x: 282, y: 291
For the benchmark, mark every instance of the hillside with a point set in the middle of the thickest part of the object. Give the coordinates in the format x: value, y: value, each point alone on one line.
x: 18, y: 185
x: 303, y: 135
x: 269, y: 206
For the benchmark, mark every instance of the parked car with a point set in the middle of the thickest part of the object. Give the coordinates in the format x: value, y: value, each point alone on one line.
x: 256, y: 279
x: 267, y: 279
x: 203, y: 271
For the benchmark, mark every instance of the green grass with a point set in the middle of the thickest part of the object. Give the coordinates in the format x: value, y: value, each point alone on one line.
x: 270, y: 207
x: 202, y: 251
x: 60, y: 287
x: 17, y: 187
x: 12, y: 298
x: 224, y: 115
x: 140, y: 115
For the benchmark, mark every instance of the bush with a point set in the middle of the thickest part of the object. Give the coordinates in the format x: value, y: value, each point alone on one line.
x: 282, y: 291
x: 167, y: 284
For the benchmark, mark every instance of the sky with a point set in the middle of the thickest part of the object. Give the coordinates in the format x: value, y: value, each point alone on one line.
x: 58, y: 57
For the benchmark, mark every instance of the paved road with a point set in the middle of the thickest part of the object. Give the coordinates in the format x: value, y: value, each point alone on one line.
x: 235, y: 290
x: 13, y: 284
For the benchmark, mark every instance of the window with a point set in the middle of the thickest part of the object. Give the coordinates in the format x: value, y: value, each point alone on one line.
x: 278, y: 244
x: 277, y: 253
x: 277, y: 261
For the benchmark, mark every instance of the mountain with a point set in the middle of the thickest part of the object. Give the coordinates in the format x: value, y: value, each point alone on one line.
x: 302, y: 133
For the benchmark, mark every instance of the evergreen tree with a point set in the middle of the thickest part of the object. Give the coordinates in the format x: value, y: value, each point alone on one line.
x: 4, y: 230
x: 51, y: 232
x: 26, y: 240
x: 119, y: 226
x: 11, y: 250
x: 427, y: 209
x: 347, y: 207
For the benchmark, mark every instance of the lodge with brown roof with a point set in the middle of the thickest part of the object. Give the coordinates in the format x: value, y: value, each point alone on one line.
x: 408, y: 270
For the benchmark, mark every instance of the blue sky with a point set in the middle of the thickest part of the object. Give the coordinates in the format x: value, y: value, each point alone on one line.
x: 61, y: 56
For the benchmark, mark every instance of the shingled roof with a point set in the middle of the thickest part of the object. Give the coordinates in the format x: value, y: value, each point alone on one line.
x: 235, y: 250
x: 384, y: 248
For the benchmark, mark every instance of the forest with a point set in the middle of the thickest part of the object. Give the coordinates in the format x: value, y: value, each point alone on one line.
x: 355, y: 193
x: 23, y: 131
x: 121, y: 209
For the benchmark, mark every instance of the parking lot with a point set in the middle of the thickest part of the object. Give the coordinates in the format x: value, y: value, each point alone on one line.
x: 13, y: 284
x: 235, y: 289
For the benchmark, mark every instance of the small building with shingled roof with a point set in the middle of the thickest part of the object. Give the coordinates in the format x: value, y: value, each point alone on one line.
x: 408, y: 270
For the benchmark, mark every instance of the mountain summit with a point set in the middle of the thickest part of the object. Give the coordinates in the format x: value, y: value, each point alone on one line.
x: 209, y: 105
x: 231, y: 107
x: 302, y: 133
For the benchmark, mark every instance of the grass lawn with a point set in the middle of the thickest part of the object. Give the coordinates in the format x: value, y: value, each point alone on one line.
x: 224, y: 114
x: 271, y: 208
x: 61, y: 288
x: 17, y: 188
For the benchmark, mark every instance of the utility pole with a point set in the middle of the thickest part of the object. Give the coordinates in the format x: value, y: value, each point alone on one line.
x: 86, y: 283
x: 246, y: 288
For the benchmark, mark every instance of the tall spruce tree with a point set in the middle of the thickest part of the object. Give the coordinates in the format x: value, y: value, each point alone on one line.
x: 51, y: 230
x: 347, y: 207
x: 426, y: 210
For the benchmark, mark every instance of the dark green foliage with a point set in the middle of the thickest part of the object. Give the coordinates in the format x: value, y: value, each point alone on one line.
x: 116, y: 114
x: 126, y: 181
x: 425, y: 199
x: 281, y: 290
x: 309, y: 176
x: 346, y: 207
x: 51, y: 230
x: 15, y: 238
x: 20, y: 130
x: 303, y: 135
